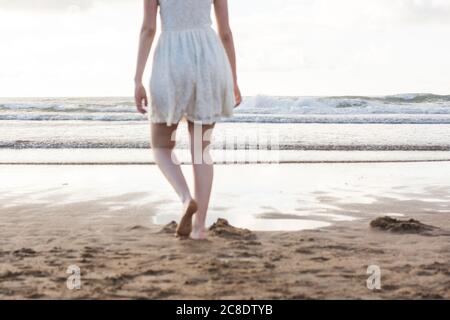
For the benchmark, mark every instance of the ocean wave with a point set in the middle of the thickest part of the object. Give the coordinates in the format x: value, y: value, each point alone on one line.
x: 85, y: 108
x: 73, y: 117
x: 418, y: 98
x: 402, y: 108
x: 402, y: 104
x: 247, y: 118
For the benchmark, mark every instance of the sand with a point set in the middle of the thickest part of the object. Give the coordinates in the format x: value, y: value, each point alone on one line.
x: 122, y: 254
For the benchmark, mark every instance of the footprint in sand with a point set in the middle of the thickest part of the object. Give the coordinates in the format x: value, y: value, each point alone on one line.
x: 196, y: 281
x: 25, y: 252
x: 320, y: 259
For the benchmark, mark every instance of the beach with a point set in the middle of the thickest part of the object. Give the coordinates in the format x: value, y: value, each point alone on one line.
x: 297, y: 231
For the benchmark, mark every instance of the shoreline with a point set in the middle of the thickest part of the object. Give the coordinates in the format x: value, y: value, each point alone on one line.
x: 221, y: 157
x: 216, y: 164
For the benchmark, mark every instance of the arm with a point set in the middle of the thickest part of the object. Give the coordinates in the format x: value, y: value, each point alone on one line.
x: 223, y: 25
x: 147, y: 35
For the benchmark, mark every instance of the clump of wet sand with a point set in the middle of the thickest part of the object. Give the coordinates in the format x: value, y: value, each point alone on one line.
x: 171, y: 227
x: 221, y: 228
x: 401, y: 226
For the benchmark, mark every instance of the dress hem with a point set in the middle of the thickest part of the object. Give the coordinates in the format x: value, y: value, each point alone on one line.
x: 208, y: 121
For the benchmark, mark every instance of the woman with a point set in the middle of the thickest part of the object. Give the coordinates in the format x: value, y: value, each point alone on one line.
x: 193, y: 77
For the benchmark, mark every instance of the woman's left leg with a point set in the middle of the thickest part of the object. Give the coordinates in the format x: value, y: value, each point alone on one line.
x: 163, y: 143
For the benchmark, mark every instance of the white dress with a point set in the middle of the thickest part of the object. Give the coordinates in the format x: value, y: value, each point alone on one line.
x: 191, y: 75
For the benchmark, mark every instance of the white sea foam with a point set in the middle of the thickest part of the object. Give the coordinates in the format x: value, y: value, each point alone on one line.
x: 402, y: 104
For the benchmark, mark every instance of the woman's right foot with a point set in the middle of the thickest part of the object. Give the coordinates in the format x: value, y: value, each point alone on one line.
x: 185, y: 226
x: 198, y: 233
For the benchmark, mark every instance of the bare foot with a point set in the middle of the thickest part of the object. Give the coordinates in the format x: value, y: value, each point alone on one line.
x: 185, y: 226
x: 198, y: 233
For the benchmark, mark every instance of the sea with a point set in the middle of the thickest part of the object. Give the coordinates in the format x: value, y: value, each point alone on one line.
x: 109, y: 130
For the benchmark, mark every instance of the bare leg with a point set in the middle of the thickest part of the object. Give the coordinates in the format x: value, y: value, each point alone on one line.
x: 200, y: 136
x: 163, y: 143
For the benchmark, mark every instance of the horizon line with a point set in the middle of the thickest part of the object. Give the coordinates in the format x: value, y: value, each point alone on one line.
x: 245, y: 96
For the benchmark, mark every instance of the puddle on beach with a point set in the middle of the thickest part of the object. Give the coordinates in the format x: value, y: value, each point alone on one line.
x: 256, y: 224
x: 263, y: 222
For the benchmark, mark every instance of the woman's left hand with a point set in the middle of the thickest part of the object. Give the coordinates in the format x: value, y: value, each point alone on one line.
x: 140, y: 97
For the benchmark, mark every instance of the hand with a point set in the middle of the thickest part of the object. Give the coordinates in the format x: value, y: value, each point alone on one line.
x: 237, y: 95
x: 140, y: 97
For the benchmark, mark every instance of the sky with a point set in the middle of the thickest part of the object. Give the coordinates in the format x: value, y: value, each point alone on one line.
x: 284, y: 47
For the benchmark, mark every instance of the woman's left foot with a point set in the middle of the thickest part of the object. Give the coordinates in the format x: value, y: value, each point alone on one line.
x: 185, y: 226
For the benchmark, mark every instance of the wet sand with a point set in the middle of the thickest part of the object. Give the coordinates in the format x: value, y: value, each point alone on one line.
x: 122, y: 254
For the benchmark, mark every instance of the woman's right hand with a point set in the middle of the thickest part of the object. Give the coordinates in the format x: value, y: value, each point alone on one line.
x: 237, y: 95
x: 140, y: 97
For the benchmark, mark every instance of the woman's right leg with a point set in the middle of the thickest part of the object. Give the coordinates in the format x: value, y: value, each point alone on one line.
x: 163, y: 143
x: 200, y: 139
